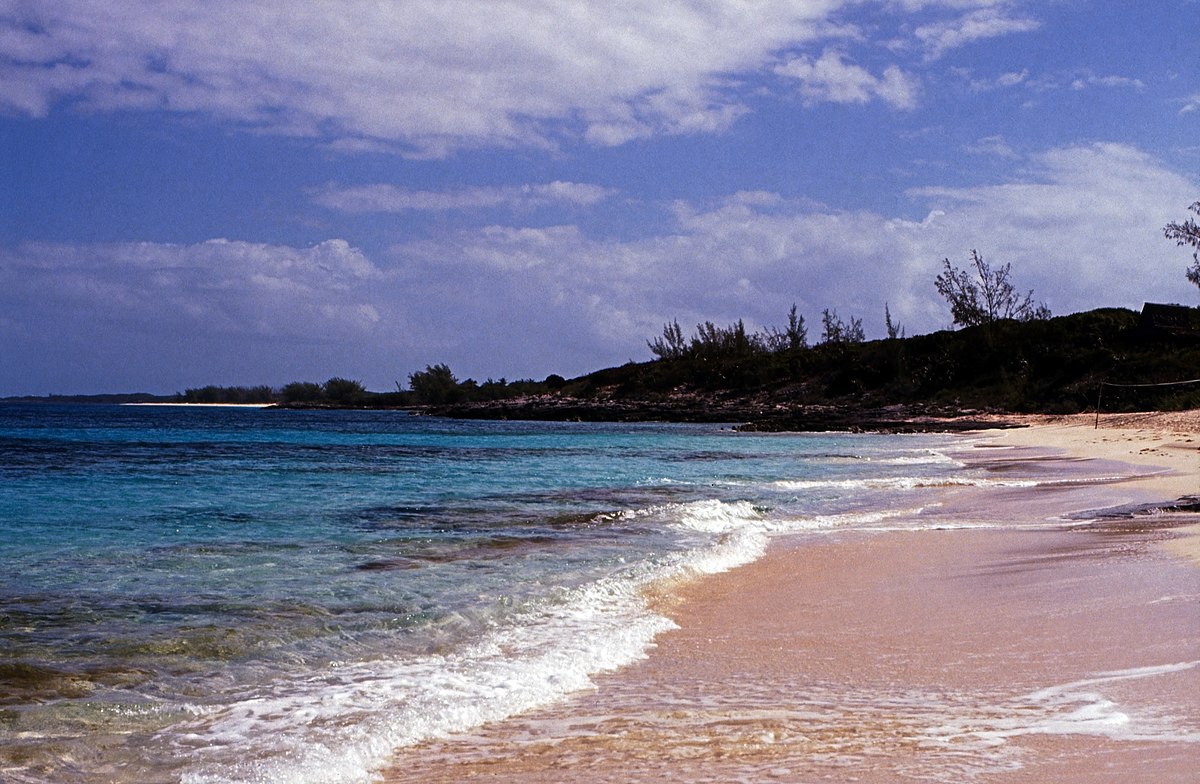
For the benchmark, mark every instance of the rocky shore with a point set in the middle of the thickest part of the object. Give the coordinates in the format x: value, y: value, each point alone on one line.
x: 749, y: 414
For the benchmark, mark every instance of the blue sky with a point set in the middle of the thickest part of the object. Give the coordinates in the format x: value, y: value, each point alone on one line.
x: 246, y: 193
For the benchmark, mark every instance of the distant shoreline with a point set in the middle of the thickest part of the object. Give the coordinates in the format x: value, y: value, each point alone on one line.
x: 204, y: 405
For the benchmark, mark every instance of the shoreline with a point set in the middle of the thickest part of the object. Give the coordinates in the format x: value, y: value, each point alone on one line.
x: 1166, y: 443
x: 202, y: 405
x: 1035, y: 652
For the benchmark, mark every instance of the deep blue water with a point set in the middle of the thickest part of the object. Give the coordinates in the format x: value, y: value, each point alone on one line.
x: 216, y: 594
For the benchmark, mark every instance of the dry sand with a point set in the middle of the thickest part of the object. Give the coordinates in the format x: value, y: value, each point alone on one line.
x: 1040, y: 653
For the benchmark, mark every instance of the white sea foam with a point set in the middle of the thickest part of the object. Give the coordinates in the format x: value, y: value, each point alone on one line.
x: 922, y: 457
x: 718, y: 516
x: 744, y: 534
x: 1075, y: 708
x: 863, y: 521
x: 900, y: 483
x: 342, y: 724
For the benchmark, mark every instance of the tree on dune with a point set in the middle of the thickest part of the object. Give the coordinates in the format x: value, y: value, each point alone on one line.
x: 834, y: 330
x: 792, y: 338
x: 301, y: 392
x: 1187, y: 233
x: 984, y: 295
x: 435, y: 385
x: 344, y: 391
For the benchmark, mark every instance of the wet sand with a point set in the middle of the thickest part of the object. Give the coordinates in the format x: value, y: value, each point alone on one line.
x: 1167, y: 444
x: 1043, y: 652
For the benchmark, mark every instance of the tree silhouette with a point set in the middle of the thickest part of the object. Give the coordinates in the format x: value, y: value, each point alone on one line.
x: 985, y: 295
x: 435, y: 385
x: 1187, y: 233
x: 834, y: 330
x: 343, y: 391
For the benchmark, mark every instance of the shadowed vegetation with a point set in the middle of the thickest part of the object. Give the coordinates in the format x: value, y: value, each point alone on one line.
x: 1051, y: 365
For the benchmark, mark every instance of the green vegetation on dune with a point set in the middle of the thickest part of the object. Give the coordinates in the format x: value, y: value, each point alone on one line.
x: 1047, y: 365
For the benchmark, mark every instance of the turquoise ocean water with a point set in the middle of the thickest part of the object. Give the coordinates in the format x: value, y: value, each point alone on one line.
x: 224, y: 595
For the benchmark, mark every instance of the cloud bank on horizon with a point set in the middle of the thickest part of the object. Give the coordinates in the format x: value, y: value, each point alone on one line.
x: 259, y: 193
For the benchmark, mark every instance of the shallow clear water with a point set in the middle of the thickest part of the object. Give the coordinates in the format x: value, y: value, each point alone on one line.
x: 254, y: 595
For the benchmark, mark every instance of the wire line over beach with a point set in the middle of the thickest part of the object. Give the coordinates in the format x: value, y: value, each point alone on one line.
x: 1103, y: 384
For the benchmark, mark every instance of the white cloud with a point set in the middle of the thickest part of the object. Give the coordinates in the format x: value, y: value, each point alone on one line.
x: 1012, y: 78
x: 1084, y: 224
x: 431, y: 75
x: 1005, y: 80
x: 1048, y: 82
x: 1091, y: 80
x: 830, y: 78
x: 428, y: 77
x: 390, y: 198
x: 239, y: 290
x: 992, y: 145
x: 978, y: 25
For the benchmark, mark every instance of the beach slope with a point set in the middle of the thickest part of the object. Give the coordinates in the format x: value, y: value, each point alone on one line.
x: 1033, y: 648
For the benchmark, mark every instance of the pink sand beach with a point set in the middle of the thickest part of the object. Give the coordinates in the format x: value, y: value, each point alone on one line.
x: 1036, y: 648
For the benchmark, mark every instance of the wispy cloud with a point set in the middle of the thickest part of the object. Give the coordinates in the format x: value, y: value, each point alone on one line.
x: 830, y: 78
x: 390, y: 198
x: 429, y: 77
x: 219, y: 287
x: 1047, y: 82
x: 993, y: 21
x: 992, y: 145
x: 1086, y: 81
x: 1003, y: 81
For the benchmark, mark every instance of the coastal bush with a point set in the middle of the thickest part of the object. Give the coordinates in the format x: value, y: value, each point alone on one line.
x: 1048, y: 365
x: 1187, y: 232
x: 1043, y: 364
x: 671, y: 345
x: 985, y: 295
x: 218, y: 394
x: 836, y: 331
x: 793, y: 338
x: 435, y: 385
x: 894, y: 329
x: 343, y: 391
x: 712, y: 343
x: 300, y: 392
